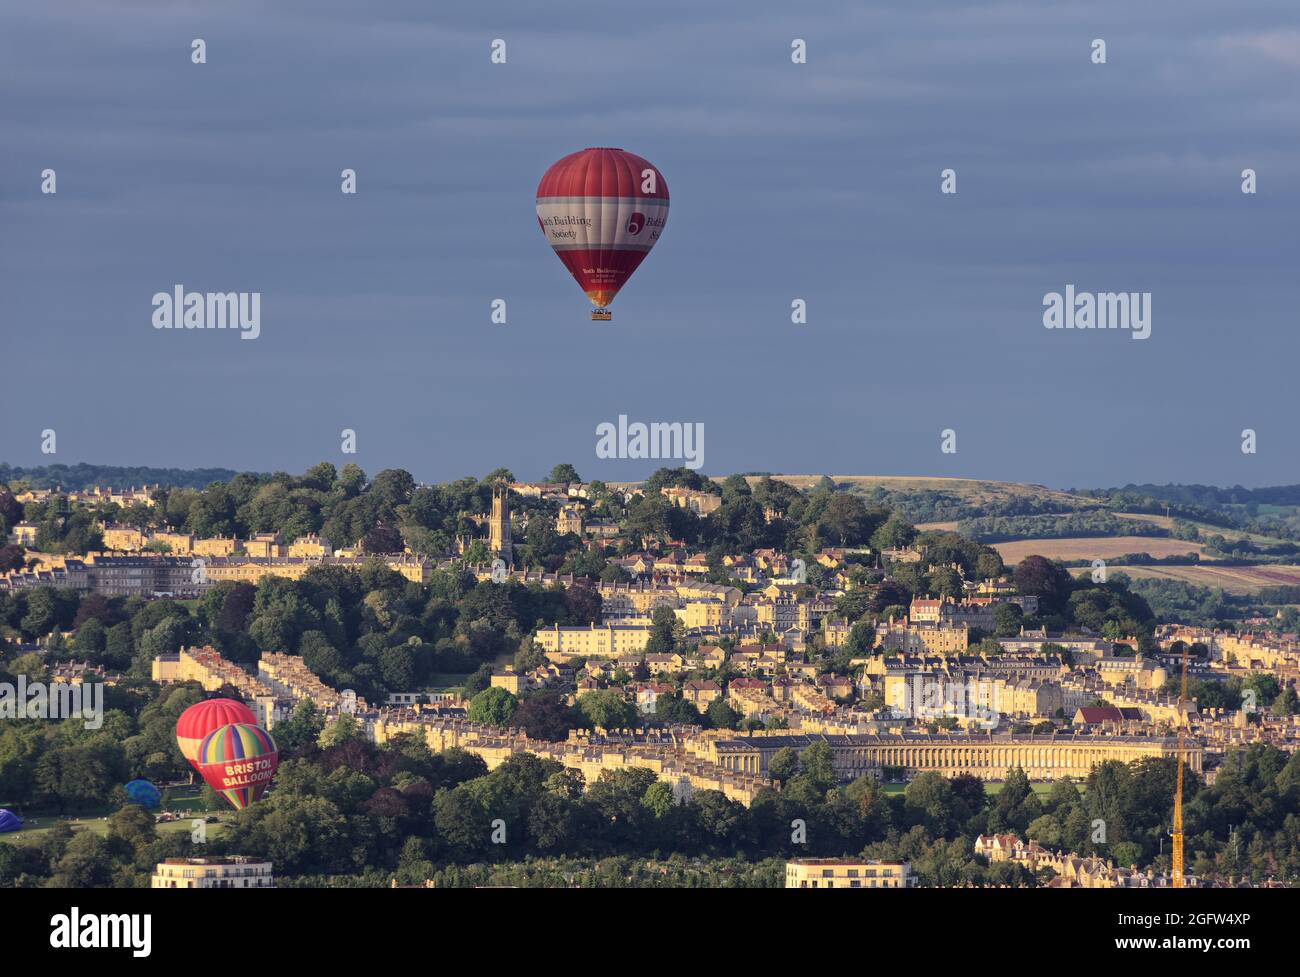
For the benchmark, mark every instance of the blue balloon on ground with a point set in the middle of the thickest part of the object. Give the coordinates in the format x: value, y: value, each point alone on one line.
x: 9, y: 821
x: 143, y: 793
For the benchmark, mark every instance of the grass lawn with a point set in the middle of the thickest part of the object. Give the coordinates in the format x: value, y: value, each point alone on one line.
x: 1041, y: 788
x: 35, y: 828
x: 446, y: 681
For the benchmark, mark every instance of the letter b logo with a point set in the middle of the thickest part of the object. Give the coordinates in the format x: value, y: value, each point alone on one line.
x: 635, y: 223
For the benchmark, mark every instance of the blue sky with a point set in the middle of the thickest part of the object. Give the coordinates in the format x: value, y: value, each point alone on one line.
x: 817, y: 181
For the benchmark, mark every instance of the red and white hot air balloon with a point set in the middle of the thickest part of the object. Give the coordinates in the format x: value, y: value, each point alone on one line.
x: 200, y: 719
x: 602, y: 210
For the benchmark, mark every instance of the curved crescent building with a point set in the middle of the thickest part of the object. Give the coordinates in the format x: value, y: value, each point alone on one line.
x: 1042, y: 757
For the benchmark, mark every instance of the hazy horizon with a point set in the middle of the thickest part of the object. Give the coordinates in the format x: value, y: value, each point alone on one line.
x: 541, y: 476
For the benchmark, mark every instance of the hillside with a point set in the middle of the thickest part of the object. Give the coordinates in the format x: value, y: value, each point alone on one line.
x: 972, y: 490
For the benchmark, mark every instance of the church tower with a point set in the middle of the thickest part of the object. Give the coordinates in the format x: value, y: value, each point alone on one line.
x: 499, y: 527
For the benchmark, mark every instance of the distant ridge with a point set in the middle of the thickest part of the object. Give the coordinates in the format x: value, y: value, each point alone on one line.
x: 84, y: 475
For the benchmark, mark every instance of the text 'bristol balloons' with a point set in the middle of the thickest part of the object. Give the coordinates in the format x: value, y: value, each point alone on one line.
x: 203, y: 717
x: 238, y: 761
x: 144, y: 793
x: 602, y: 210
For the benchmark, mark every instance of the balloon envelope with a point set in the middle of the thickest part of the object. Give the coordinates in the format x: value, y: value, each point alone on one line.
x: 9, y: 821
x: 202, y: 718
x: 602, y: 210
x: 238, y: 761
x: 144, y: 793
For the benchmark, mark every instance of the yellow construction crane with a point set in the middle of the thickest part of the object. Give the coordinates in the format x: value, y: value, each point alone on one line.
x: 1178, y: 791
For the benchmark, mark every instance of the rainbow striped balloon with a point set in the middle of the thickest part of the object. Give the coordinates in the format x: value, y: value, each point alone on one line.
x: 238, y: 760
x: 202, y: 718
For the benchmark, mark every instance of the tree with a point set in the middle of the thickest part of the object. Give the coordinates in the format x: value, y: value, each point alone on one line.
x: 721, y: 820
x: 301, y: 834
x: 607, y: 709
x: 861, y: 640
x: 616, y: 798
x: 383, y: 539
x: 929, y: 802
x: 87, y: 863
x: 722, y: 716
x: 11, y: 557
x: 1265, y: 687
x: 397, y: 668
x: 1286, y: 703
x: 543, y: 716
x: 493, y: 706
x: 988, y: 565
x: 132, y: 825
x: 735, y: 487
x: 784, y: 765
x: 944, y: 581
x: 659, y: 799
x: 90, y: 637
x: 319, y: 655
x: 665, y: 631
x: 894, y: 533
x: 303, y: 727
x: 815, y: 762
x: 846, y: 520
x: 583, y: 604
x: 345, y: 729
x: 1007, y: 620
x: 1039, y: 577
x: 1126, y: 853
x: 553, y: 822
x: 1045, y: 830
x: 564, y: 473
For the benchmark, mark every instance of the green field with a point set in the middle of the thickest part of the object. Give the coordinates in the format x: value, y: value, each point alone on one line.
x: 35, y: 829
x: 185, y: 801
x: 446, y: 681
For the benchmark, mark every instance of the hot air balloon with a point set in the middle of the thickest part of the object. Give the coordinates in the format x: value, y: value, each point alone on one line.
x: 203, y: 717
x: 238, y: 761
x: 602, y: 210
x: 9, y: 821
x: 144, y: 793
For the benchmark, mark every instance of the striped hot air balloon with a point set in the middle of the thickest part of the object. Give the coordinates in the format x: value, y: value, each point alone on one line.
x: 202, y: 718
x: 602, y: 210
x: 238, y: 761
